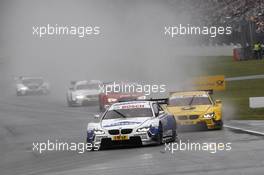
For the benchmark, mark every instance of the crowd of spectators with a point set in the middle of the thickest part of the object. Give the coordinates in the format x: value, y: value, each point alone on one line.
x: 239, y: 14
x: 259, y: 21
x: 230, y: 12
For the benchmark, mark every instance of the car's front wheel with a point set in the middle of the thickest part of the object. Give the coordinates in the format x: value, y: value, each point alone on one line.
x: 219, y: 124
x: 20, y: 93
x: 69, y: 103
x: 160, y: 135
x: 174, y: 137
x: 101, y: 108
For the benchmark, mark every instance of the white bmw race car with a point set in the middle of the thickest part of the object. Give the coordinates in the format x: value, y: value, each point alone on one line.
x: 83, y: 93
x: 135, y: 122
x: 31, y: 85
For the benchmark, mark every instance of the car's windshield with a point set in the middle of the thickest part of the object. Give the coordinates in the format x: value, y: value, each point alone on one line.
x: 86, y: 86
x: 32, y: 81
x: 189, y: 100
x: 128, y: 113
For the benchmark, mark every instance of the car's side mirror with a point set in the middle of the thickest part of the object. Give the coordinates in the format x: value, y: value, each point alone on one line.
x: 218, y: 101
x: 71, y: 88
x: 161, y: 112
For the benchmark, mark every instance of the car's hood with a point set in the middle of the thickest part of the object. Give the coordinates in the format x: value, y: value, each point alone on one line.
x: 123, y: 123
x: 188, y: 110
x: 87, y: 92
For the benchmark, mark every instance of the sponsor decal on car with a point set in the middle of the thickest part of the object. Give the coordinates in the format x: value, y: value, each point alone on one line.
x: 122, y: 123
x: 130, y: 106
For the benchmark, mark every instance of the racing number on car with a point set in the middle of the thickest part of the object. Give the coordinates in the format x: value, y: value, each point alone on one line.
x: 120, y: 137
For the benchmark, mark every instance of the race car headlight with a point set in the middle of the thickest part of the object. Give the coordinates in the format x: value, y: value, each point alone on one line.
x: 144, y: 129
x: 111, y: 100
x: 142, y: 97
x: 79, y: 96
x: 23, y: 88
x: 98, y: 132
x: 209, y: 115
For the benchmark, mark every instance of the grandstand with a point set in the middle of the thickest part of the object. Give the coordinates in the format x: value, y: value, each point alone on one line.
x: 245, y: 16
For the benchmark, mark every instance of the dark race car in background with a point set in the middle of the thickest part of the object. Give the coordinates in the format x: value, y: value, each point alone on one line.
x: 31, y: 85
x: 116, y: 95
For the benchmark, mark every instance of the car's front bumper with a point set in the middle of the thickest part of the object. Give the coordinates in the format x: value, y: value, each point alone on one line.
x: 200, y: 122
x: 31, y: 91
x: 85, y: 101
x: 135, y: 138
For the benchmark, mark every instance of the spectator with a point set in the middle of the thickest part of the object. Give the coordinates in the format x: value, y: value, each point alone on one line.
x: 257, y: 50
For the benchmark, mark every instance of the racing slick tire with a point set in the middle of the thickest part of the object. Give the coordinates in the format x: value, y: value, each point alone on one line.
x: 101, y: 108
x: 174, y: 133
x: 219, y: 125
x: 160, y: 135
x: 20, y: 94
x: 174, y: 136
x: 69, y: 103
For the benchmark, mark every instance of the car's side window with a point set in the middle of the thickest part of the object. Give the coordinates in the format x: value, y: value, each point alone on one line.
x: 160, y: 108
x: 155, y: 108
x: 211, y: 99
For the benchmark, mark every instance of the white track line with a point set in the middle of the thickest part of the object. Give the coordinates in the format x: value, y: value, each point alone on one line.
x: 244, y: 130
x: 250, y: 77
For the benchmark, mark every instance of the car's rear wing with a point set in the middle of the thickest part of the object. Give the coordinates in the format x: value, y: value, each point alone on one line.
x: 209, y: 91
x: 158, y: 100
x: 129, y: 99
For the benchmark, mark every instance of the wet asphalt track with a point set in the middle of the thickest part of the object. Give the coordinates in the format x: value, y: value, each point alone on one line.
x: 24, y: 120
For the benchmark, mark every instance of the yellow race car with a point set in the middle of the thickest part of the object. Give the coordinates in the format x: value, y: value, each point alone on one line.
x: 195, y: 108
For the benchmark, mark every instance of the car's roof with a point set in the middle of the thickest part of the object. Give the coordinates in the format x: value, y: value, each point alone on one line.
x: 81, y: 82
x: 188, y: 93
